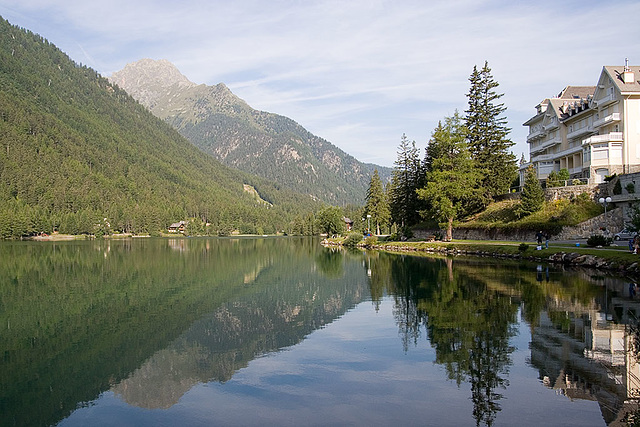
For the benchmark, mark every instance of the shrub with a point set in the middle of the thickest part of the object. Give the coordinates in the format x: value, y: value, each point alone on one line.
x: 370, y: 241
x: 583, y: 198
x: 352, y: 240
x: 617, y: 188
x: 599, y: 240
x: 523, y: 247
x: 631, y: 188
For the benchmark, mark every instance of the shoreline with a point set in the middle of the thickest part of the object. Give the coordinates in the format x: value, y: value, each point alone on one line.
x: 615, y: 260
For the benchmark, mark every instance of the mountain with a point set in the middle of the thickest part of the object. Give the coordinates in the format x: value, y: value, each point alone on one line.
x: 76, y: 150
x: 269, y: 145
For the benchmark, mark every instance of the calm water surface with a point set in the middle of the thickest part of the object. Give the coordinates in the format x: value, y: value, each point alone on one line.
x: 280, y: 331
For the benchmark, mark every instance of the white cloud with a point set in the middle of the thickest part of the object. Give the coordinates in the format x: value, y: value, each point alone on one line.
x: 357, y: 73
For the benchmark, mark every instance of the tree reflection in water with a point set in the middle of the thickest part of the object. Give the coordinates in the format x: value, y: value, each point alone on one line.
x: 468, y: 324
x: 470, y: 314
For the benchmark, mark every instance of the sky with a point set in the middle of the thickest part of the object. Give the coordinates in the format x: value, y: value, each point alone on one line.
x: 358, y: 73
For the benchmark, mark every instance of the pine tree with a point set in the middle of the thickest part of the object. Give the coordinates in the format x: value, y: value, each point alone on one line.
x: 451, y: 179
x: 532, y: 197
x: 488, y: 134
x: 376, y: 203
x: 406, y: 179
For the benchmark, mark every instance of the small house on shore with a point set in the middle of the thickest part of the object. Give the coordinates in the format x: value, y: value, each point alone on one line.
x: 177, y: 227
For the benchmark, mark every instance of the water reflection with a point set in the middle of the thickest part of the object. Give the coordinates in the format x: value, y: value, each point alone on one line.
x: 151, y: 320
x: 582, y: 334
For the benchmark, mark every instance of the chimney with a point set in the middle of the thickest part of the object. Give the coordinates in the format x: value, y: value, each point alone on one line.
x: 627, y: 75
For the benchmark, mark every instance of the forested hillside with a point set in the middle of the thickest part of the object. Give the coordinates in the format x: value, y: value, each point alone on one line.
x: 76, y: 150
x: 261, y: 143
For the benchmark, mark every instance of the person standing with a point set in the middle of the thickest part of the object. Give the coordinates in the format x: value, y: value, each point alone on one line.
x: 539, y: 236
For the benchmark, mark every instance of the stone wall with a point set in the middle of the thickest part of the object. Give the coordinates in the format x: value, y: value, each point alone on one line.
x: 613, y: 221
x: 556, y: 193
x: 480, y: 234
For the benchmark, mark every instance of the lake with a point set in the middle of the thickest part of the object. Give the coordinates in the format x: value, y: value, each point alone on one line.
x: 284, y: 332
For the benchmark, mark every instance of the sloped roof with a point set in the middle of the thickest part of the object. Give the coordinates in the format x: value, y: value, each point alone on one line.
x: 576, y: 92
x: 615, y: 72
x: 555, y: 105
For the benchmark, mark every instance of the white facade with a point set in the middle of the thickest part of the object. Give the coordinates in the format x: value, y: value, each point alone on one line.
x: 592, y: 131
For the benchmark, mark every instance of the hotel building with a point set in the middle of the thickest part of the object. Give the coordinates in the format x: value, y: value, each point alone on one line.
x: 592, y: 131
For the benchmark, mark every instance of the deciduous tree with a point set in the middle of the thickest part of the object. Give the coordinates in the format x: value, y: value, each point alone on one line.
x: 330, y: 220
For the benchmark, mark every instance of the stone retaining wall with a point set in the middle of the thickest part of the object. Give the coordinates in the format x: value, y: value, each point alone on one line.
x: 613, y: 221
x: 556, y: 193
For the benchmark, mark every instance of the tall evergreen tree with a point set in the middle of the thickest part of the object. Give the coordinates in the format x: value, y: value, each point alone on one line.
x: 452, y: 179
x: 532, y: 196
x: 488, y: 134
x: 406, y: 179
x: 376, y: 203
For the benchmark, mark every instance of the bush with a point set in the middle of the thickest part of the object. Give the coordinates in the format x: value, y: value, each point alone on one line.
x: 352, y: 240
x: 599, y: 240
x: 631, y: 188
x: 523, y: 247
x: 617, y: 188
x: 370, y: 241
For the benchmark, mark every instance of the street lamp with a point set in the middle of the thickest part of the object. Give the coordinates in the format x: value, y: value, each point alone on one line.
x: 605, y: 202
x: 368, y: 224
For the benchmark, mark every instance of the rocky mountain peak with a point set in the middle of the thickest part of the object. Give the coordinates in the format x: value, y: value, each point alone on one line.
x: 147, y: 79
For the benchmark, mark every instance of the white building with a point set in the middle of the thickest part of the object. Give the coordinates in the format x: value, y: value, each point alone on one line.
x: 592, y: 131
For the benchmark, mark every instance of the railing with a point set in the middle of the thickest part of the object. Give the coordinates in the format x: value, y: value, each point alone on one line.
x: 606, y: 100
x: 567, y: 183
x: 611, y: 118
x: 571, y: 150
x: 597, y: 139
x: 535, y: 135
x: 543, y: 157
x: 579, y: 132
x: 551, y: 142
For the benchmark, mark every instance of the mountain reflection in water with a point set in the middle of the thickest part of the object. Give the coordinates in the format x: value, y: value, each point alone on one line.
x: 165, y: 324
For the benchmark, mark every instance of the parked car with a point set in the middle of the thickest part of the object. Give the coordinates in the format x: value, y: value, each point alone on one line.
x: 625, y: 235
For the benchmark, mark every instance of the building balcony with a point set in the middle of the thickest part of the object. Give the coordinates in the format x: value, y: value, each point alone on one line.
x: 576, y: 170
x: 580, y: 132
x: 599, y: 139
x: 551, y: 126
x: 611, y: 118
x: 543, y: 158
x: 535, y: 135
x: 524, y: 166
x: 536, y: 149
x: 550, y: 143
x: 572, y: 150
x: 606, y: 100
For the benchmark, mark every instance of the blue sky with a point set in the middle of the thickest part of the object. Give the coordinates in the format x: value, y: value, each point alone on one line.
x: 357, y: 73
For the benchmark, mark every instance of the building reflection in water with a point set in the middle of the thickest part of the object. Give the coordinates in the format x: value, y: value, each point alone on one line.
x: 587, y: 353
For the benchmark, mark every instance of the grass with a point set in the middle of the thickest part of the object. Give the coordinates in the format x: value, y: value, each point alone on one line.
x: 553, y: 216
